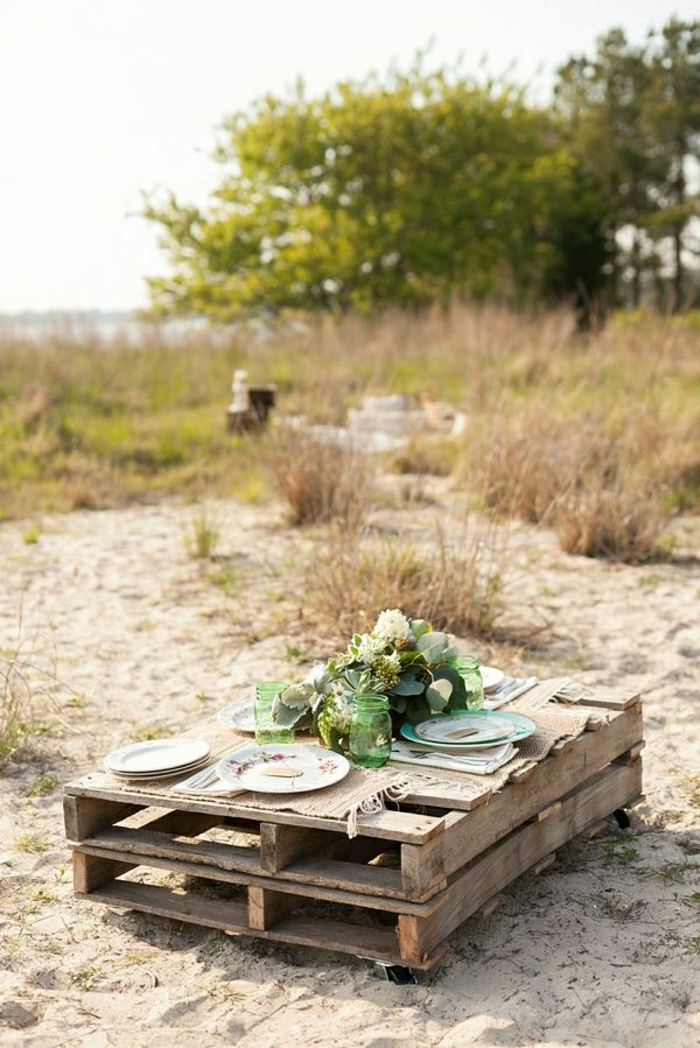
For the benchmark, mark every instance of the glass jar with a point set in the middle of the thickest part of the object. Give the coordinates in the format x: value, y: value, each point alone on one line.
x: 266, y: 729
x: 370, y: 731
x: 468, y: 668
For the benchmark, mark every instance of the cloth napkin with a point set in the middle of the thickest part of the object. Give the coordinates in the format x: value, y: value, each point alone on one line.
x: 509, y: 688
x: 476, y: 762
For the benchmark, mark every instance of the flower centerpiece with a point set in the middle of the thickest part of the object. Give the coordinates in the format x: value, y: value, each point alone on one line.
x: 406, y: 660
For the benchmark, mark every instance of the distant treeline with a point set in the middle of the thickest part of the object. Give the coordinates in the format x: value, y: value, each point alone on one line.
x: 420, y: 187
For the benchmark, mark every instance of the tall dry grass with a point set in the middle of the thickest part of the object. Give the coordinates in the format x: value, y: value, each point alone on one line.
x: 97, y: 422
x: 454, y: 581
x: 318, y: 481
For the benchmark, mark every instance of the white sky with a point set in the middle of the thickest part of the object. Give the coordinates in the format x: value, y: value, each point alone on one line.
x: 102, y: 99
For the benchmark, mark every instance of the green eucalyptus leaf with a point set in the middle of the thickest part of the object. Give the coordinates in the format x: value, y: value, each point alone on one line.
x: 432, y: 646
x: 438, y: 694
x: 458, y: 698
x: 419, y: 627
x: 408, y: 685
x: 296, y: 696
x: 418, y: 710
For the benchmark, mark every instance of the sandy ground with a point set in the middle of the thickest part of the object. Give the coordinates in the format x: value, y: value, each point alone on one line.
x: 602, y: 950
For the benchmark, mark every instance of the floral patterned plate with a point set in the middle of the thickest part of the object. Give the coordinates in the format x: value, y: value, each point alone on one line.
x: 283, y: 768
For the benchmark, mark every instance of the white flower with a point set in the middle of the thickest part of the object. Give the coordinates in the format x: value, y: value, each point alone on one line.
x: 392, y: 625
x: 393, y: 660
x: 342, y: 708
x: 369, y: 647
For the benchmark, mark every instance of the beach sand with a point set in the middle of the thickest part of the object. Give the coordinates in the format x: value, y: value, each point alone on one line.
x: 132, y: 637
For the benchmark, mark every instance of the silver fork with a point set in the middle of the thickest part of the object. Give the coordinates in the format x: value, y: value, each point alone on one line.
x: 201, y: 779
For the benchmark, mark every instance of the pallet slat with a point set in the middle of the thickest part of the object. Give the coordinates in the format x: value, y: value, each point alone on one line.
x: 552, y: 778
x: 373, y: 943
x: 471, y: 889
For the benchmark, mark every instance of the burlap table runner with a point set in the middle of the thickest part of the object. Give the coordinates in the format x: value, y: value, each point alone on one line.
x: 366, y: 791
x: 361, y: 791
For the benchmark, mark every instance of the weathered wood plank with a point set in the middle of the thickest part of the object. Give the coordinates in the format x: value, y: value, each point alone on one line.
x: 90, y: 871
x: 83, y: 816
x: 373, y: 942
x: 492, y: 905
x: 266, y: 907
x: 471, y: 888
x: 282, y: 845
x: 145, y: 848
x: 388, y: 825
x: 371, y: 887
x: 631, y: 755
x: 551, y: 780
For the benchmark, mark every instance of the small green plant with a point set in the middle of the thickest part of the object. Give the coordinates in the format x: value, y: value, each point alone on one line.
x: 203, y: 537
x: 42, y: 785
x: 76, y: 702
x: 614, y: 853
x: 146, y: 732
x: 32, y: 533
x: 226, y: 992
x: 84, y: 978
x: 674, y: 872
x: 224, y: 577
x: 693, y: 945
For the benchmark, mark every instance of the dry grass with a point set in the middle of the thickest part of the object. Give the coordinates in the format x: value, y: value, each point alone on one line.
x: 601, y: 482
x: 619, y: 521
x: 455, y: 582
x: 318, y: 481
x: 15, y: 707
x: 89, y: 422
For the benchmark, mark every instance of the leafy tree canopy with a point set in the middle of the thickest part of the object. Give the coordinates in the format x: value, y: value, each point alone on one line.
x: 401, y: 191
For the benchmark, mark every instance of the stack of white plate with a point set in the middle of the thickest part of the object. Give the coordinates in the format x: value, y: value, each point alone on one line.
x: 157, y: 759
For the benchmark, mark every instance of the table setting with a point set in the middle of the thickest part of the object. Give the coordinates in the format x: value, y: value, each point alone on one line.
x: 400, y: 705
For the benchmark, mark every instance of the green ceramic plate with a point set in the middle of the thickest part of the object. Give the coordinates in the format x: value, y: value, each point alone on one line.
x: 484, y: 728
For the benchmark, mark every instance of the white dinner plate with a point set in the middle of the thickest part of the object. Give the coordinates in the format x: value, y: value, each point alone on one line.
x: 146, y: 776
x: 491, y: 677
x: 282, y: 768
x: 157, y: 755
x: 240, y: 716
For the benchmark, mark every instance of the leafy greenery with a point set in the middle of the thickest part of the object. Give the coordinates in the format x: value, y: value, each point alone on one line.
x: 422, y: 186
x: 632, y: 117
x: 405, y: 191
x: 403, y: 659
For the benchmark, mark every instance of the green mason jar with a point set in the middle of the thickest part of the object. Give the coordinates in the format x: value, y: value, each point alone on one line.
x: 370, y: 731
x: 267, y: 731
x: 468, y: 668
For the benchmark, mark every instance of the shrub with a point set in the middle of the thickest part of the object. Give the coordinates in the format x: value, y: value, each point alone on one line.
x: 454, y: 583
x: 622, y: 521
x: 319, y: 481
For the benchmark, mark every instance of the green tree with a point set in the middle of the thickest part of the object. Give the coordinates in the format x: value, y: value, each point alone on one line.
x: 631, y: 115
x: 673, y: 116
x: 602, y: 100
x: 407, y: 191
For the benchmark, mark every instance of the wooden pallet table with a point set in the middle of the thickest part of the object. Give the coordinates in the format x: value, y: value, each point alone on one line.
x: 394, y: 893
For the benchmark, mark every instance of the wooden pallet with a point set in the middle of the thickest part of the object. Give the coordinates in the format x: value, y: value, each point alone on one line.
x: 394, y: 893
